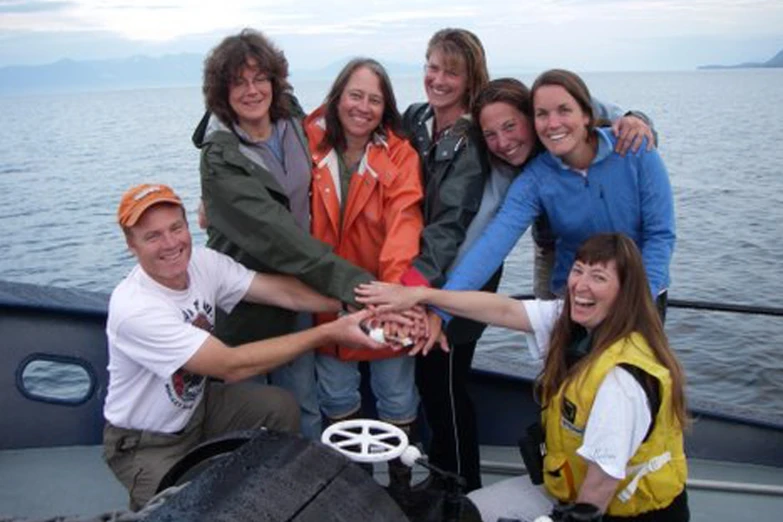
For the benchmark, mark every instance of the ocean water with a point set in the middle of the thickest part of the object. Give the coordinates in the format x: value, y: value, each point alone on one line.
x: 65, y: 159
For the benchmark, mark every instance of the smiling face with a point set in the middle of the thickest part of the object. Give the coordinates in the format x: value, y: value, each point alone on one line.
x: 250, y: 96
x: 361, y: 105
x: 560, y: 122
x: 445, y: 81
x: 508, y: 132
x: 593, y: 289
x: 161, y: 241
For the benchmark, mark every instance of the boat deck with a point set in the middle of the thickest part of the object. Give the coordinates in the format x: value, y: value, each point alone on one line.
x: 74, y: 480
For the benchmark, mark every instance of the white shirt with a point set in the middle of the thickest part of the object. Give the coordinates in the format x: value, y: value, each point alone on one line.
x: 620, y: 416
x: 154, y: 330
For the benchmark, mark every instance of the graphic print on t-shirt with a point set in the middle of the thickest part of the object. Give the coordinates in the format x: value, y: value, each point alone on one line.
x: 185, y: 387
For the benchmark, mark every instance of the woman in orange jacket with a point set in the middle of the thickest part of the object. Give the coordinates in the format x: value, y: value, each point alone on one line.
x: 366, y: 203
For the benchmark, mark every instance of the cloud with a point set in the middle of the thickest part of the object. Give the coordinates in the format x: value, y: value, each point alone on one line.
x: 33, y: 7
x: 599, y: 34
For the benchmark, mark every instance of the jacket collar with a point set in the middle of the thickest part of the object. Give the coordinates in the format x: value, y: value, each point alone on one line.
x: 329, y: 158
x: 605, y: 149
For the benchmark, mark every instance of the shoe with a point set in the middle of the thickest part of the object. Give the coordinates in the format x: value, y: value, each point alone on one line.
x: 431, y: 483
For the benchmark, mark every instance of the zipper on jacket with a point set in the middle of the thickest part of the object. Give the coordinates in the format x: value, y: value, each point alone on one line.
x: 605, y: 204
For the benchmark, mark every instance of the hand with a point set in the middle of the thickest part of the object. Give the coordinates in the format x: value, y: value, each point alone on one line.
x: 435, y: 336
x: 347, y: 330
x: 402, y: 330
x: 387, y: 297
x: 419, y: 332
x: 390, y: 321
x: 630, y: 132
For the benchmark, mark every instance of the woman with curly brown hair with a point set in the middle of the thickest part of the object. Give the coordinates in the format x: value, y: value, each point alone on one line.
x: 255, y: 182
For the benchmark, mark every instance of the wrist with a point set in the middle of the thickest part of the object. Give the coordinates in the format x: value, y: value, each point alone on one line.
x: 327, y: 331
x: 419, y: 294
x: 639, y: 115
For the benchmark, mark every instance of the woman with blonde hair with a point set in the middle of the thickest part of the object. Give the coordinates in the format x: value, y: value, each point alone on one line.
x: 455, y: 167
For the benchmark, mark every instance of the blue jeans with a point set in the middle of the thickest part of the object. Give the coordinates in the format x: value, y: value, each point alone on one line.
x: 392, y: 382
x: 298, y: 377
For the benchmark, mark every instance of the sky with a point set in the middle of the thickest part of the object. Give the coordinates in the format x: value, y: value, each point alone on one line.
x: 524, y: 35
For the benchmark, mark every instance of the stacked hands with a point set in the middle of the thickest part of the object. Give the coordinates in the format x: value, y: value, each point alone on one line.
x: 398, y: 320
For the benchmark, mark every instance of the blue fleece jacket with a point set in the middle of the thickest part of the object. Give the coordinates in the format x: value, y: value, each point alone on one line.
x: 629, y: 194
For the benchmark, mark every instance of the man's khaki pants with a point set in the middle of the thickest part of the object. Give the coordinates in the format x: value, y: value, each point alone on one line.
x: 140, y: 459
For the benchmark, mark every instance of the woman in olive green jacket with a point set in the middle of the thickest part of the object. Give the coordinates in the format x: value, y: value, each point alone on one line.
x: 255, y: 182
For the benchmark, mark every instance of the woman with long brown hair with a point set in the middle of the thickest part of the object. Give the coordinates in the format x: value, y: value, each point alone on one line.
x: 584, y: 186
x: 611, y: 389
x: 366, y: 204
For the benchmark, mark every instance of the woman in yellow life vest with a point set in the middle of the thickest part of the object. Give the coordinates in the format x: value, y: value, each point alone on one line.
x: 612, y: 390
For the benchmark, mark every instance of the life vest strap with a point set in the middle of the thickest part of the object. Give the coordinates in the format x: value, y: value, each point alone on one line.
x: 639, y: 471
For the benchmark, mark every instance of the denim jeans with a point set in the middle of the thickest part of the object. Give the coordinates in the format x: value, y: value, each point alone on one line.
x: 298, y: 377
x: 392, y: 382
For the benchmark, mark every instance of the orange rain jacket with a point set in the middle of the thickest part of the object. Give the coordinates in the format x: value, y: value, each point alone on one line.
x: 382, y: 221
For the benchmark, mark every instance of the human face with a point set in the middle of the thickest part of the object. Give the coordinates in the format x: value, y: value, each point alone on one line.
x: 161, y: 241
x: 250, y: 96
x: 361, y: 105
x: 508, y: 132
x: 561, y: 124
x: 445, y: 81
x: 593, y: 290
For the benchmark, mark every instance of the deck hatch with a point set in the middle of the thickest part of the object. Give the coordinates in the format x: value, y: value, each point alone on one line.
x: 56, y: 379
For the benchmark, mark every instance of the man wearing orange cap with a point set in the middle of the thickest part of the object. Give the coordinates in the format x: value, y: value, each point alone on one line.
x: 159, y: 403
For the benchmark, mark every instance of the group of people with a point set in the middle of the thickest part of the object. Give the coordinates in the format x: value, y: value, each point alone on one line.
x: 306, y: 214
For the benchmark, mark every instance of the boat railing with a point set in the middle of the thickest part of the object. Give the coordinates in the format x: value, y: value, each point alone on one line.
x: 725, y: 307
x: 711, y: 306
x: 715, y: 409
x: 515, y: 469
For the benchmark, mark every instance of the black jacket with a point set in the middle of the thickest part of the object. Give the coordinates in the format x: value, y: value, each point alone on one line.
x: 455, y: 169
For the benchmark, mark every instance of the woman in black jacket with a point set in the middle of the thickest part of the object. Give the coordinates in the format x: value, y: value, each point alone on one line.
x: 455, y: 166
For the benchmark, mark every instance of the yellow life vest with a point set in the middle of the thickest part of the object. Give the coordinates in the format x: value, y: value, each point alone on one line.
x: 657, y: 471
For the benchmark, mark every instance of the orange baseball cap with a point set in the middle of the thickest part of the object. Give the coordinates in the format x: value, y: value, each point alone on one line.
x: 141, y: 197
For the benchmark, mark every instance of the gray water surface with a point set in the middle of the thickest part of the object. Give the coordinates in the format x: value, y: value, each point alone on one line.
x: 65, y: 159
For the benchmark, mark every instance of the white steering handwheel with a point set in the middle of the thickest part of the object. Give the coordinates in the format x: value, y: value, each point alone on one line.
x: 369, y: 440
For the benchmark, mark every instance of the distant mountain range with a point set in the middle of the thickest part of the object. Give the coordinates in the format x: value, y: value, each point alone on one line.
x: 176, y: 70
x: 71, y: 75
x: 775, y: 61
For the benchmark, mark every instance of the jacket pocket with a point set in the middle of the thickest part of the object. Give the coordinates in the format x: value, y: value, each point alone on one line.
x: 559, y: 478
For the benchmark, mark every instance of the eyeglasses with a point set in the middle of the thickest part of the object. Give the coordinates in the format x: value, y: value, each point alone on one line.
x: 259, y: 82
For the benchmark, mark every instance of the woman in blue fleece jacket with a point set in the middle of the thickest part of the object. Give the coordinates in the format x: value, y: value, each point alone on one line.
x: 584, y: 187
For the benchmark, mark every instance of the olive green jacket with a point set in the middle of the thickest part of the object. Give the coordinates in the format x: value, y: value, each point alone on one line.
x: 250, y: 221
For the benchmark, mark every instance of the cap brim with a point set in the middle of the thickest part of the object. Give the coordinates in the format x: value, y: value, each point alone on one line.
x: 134, y: 216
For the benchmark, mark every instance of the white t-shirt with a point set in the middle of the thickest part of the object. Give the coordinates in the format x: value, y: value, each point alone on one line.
x: 620, y: 416
x: 153, y: 331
